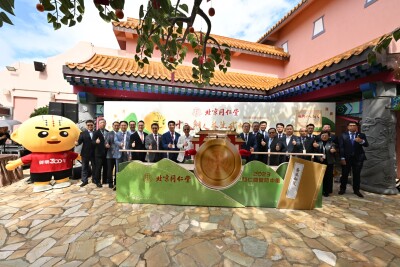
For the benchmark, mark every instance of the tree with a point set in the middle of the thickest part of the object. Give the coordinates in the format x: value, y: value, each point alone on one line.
x: 162, y: 26
x: 40, y: 111
x: 382, y: 45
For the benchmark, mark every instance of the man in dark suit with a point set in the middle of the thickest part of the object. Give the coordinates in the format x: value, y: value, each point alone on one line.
x: 306, y: 143
x: 273, y: 160
x: 137, y: 142
x: 289, y: 143
x: 100, y: 151
x: 153, y: 142
x: 87, y: 152
x: 352, y: 156
x: 310, y: 130
x: 169, y: 141
x: 280, y: 127
x: 249, y: 141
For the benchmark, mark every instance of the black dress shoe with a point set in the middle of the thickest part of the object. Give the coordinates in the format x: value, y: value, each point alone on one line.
x: 83, y: 184
x: 99, y: 185
x: 326, y: 194
x: 29, y: 181
x: 358, y: 194
x: 110, y: 185
x: 341, y: 192
x: 115, y: 188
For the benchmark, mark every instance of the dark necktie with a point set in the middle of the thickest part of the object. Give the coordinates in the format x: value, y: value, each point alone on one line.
x: 352, y: 138
x: 245, y: 137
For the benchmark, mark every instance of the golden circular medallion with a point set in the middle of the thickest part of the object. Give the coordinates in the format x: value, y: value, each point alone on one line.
x: 218, y: 164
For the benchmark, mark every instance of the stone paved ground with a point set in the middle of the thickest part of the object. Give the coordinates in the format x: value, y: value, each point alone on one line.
x: 86, y: 227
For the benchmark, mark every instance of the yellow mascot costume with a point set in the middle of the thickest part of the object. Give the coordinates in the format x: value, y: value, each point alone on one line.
x: 50, y: 138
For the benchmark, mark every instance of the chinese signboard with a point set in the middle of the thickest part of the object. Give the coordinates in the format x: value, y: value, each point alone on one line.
x: 219, y: 115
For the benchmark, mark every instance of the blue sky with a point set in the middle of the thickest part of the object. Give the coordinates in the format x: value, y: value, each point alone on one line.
x: 32, y: 38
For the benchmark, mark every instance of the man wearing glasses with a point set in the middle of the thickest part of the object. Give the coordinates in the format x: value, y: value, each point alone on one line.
x: 273, y: 140
x: 184, y: 143
x: 352, y: 156
x: 87, y: 152
x: 153, y: 142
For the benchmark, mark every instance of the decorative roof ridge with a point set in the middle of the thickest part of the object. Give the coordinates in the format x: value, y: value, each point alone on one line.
x: 110, y: 64
x: 328, y: 62
x: 234, y: 43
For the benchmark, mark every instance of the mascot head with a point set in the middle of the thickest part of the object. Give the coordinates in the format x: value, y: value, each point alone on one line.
x: 47, y: 133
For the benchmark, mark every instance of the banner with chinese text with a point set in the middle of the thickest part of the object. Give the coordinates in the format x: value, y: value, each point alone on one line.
x: 219, y: 115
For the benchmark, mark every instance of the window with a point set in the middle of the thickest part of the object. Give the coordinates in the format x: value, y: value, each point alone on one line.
x: 285, y: 47
x: 318, y: 27
x: 369, y: 2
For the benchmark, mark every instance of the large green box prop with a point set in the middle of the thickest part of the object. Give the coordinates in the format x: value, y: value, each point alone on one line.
x: 166, y: 182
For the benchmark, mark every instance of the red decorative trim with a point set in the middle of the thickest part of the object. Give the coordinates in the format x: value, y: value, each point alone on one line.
x: 340, y: 89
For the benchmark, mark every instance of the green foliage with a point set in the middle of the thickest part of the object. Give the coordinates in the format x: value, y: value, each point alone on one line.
x: 7, y: 6
x: 162, y: 26
x: 382, y: 45
x: 40, y: 111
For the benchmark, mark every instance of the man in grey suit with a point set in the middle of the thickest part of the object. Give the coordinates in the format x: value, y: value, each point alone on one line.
x: 154, y: 142
x: 113, y: 154
x: 123, y: 141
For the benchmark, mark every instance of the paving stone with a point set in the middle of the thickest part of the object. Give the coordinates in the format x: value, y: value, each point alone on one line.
x: 157, y: 256
x: 185, y: 260
x: 120, y: 257
x: 361, y: 245
x: 111, y: 250
x: 301, y: 255
x: 381, y: 253
x: 132, y: 260
x: 40, y: 249
x: 104, y: 242
x: 325, y: 256
x: 239, y: 257
x: 203, y: 253
x: 238, y: 225
x: 13, y: 247
x: 58, y: 251
x: 254, y: 247
x: 3, y: 236
x: 18, y: 254
x: 309, y: 233
x: 81, y: 250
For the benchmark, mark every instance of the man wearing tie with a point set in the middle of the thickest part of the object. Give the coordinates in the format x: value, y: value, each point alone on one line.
x: 153, y: 142
x: 87, y: 152
x: 261, y: 142
x: 289, y: 143
x: 100, y: 151
x: 310, y: 130
x: 273, y: 160
x: 279, y: 128
x: 306, y: 143
x: 170, y: 140
x: 249, y: 141
x: 123, y: 139
x: 352, y: 156
x: 113, y: 154
x: 137, y: 142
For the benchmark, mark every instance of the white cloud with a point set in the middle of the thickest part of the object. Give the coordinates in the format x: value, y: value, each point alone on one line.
x: 32, y: 37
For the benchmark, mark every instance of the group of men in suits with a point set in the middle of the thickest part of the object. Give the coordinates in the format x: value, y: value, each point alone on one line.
x: 281, y: 139
x: 103, y: 150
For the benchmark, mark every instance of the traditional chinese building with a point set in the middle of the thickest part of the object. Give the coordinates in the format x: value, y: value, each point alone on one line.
x: 316, y: 52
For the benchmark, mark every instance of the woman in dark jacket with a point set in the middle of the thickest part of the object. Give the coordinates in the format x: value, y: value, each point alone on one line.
x: 326, y: 147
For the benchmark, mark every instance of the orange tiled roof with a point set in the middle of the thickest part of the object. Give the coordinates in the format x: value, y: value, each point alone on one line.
x: 131, y: 23
x: 302, y: 2
x: 329, y: 62
x: 155, y: 70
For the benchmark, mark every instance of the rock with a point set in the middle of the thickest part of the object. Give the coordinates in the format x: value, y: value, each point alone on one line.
x: 325, y: 256
x: 254, y: 247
